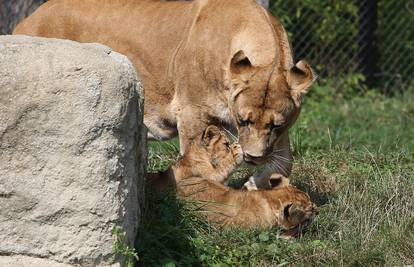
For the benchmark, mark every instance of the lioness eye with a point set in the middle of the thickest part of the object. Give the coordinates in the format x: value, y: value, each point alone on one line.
x: 273, y: 126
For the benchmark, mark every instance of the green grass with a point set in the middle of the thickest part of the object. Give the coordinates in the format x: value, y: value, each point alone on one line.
x: 353, y: 155
x: 121, y: 249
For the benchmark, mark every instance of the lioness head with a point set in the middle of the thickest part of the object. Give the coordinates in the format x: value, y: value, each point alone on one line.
x: 265, y: 101
x: 212, y: 155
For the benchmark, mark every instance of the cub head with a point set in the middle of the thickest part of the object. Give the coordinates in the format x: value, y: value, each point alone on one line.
x: 212, y: 155
x: 265, y: 102
x: 296, y: 212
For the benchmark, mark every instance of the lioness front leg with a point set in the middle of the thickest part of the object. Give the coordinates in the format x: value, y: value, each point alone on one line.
x: 277, y: 169
x: 190, y: 123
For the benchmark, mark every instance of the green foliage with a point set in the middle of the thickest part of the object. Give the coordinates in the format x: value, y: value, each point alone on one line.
x: 396, y: 43
x: 335, y: 18
x: 326, y: 33
x: 120, y: 247
x: 321, y: 31
x: 354, y: 156
x: 161, y: 154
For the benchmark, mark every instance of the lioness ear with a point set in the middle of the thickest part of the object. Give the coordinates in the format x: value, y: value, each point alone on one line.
x: 210, y: 133
x: 300, y: 78
x: 240, y: 63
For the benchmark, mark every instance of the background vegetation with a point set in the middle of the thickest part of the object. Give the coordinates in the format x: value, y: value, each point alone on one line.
x: 328, y: 34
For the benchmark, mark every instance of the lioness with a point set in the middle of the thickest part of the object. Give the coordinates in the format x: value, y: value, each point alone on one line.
x: 209, y: 159
x: 203, y: 62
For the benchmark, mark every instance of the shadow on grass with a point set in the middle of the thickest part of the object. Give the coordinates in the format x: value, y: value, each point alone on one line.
x: 166, y: 232
x: 319, y: 198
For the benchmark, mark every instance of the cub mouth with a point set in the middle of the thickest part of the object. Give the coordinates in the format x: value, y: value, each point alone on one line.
x: 297, y: 230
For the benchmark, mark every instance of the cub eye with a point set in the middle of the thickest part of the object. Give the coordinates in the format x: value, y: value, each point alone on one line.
x: 227, y: 144
x: 244, y: 122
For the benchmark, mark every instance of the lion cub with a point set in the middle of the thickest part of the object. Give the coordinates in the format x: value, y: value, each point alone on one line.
x: 208, y: 161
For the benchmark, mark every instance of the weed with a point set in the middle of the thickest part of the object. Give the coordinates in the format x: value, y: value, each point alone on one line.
x: 120, y: 247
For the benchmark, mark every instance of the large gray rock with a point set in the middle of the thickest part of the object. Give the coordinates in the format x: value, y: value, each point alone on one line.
x: 72, y: 150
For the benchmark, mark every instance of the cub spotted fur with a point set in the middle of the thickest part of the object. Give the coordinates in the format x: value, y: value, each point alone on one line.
x: 208, y: 161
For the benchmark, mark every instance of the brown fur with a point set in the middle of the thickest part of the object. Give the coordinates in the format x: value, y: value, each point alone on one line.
x: 203, y: 62
x: 287, y: 206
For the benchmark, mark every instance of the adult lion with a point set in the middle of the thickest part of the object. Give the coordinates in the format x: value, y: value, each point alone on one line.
x: 221, y: 62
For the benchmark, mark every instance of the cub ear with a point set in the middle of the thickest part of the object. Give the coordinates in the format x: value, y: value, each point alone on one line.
x: 300, y: 78
x: 293, y: 212
x: 210, y: 133
x: 240, y: 63
x: 286, y: 212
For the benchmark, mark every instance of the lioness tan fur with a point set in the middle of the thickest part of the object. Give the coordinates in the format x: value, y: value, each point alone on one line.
x: 197, y: 174
x: 203, y: 62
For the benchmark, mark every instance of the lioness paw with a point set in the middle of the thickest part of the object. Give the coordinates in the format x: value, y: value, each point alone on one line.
x: 249, y: 186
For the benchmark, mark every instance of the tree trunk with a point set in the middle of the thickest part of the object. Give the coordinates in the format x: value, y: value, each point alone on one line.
x: 13, y: 11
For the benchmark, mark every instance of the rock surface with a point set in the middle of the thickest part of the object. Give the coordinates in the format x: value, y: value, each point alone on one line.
x: 72, y: 150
